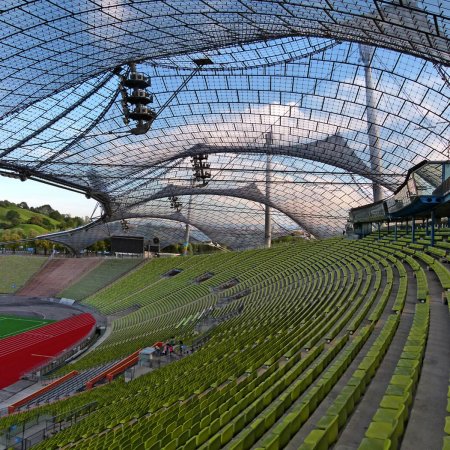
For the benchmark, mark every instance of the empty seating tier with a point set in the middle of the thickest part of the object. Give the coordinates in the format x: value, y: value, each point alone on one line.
x: 285, y: 366
x: 99, y: 277
x: 56, y: 275
x: 16, y: 270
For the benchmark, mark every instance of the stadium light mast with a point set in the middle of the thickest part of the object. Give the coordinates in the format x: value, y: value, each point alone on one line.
x: 187, y: 230
x: 373, y: 130
x: 201, y: 173
x: 187, y: 233
x: 268, y: 213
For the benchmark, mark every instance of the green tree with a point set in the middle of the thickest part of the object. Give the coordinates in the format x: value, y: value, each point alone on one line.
x: 45, y: 245
x: 12, y: 237
x: 101, y: 246
x: 32, y: 244
x: 44, y: 209
x: 36, y: 220
x: 56, y: 215
x: 13, y: 216
x: 172, y: 248
x: 47, y: 224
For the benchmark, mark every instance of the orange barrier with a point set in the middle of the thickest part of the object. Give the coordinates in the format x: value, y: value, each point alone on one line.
x: 41, y: 391
x: 133, y: 357
x: 112, y: 373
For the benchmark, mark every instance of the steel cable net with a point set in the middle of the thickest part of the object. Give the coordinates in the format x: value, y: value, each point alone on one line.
x: 230, y: 222
x: 165, y: 230
x: 62, y: 119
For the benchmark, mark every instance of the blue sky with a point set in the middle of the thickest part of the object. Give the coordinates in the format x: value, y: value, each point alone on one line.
x: 37, y: 194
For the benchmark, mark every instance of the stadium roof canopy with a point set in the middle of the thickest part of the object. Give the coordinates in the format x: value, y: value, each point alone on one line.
x: 288, y: 79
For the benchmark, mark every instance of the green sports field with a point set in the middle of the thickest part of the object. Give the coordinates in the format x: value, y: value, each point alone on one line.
x: 11, y: 325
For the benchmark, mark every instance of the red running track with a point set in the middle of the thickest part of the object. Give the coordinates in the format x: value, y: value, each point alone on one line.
x: 23, y: 352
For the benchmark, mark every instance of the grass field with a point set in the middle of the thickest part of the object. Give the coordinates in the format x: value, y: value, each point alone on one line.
x: 15, y: 271
x: 11, y: 325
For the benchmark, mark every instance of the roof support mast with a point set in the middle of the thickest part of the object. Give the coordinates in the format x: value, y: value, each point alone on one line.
x: 187, y: 233
x: 372, y: 123
x: 187, y: 230
x: 268, y: 213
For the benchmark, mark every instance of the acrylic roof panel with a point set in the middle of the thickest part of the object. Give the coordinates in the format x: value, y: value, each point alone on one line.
x: 286, y: 68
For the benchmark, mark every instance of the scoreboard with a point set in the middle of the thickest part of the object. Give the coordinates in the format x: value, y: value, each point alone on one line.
x: 127, y: 244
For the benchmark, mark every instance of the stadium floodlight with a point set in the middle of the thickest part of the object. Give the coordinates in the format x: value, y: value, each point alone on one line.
x: 24, y: 175
x: 124, y: 224
x: 133, y: 89
x: 175, y: 203
x: 201, y: 169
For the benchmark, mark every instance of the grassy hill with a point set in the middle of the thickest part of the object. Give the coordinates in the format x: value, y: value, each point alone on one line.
x: 25, y: 216
x: 27, y: 228
x: 18, y: 221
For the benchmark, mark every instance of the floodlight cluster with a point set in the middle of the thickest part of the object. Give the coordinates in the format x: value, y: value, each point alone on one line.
x: 62, y: 117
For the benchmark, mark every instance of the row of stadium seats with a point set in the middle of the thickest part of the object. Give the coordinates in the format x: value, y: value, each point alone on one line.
x: 159, y: 319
